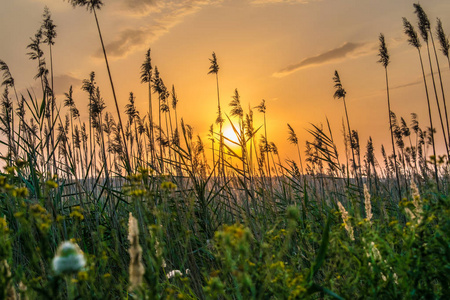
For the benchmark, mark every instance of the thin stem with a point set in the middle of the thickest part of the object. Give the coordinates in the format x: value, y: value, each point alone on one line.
x: 127, y: 160
x: 431, y: 120
x: 392, y: 135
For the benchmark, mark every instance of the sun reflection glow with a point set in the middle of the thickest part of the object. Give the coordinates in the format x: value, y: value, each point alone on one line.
x: 230, y: 137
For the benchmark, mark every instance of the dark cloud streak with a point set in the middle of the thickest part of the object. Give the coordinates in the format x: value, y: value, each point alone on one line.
x: 418, y: 80
x: 323, y: 58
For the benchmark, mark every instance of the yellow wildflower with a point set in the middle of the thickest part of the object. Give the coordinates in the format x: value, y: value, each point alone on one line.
x: 167, y: 185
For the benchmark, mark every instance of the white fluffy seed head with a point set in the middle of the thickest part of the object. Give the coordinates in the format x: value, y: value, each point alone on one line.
x: 69, y: 259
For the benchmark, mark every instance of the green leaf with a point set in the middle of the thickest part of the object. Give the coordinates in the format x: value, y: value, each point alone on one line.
x: 315, y: 288
x: 322, y: 250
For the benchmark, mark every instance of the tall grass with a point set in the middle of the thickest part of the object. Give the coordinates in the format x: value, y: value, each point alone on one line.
x: 384, y: 60
x: 246, y: 226
x: 414, y: 41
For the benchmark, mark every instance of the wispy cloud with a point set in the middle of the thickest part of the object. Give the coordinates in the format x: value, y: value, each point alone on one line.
x: 63, y: 82
x: 334, y: 55
x: 140, y: 7
x: 128, y: 40
x: 165, y: 15
x: 140, y: 4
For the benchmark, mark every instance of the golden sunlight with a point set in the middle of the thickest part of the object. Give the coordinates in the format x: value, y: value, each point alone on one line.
x: 230, y: 137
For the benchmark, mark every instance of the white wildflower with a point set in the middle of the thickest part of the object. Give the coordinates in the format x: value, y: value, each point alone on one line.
x: 69, y: 259
x: 174, y: 273
x: 376, y: 253
x: 378, y: 259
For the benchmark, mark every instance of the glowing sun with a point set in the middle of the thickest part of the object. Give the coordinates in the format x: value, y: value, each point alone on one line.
x: 230, y: 137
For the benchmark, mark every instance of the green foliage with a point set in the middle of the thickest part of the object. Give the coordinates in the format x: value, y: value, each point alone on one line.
x: 300, y: 255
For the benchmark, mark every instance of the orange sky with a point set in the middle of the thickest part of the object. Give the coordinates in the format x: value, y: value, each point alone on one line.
x: 283, y: 51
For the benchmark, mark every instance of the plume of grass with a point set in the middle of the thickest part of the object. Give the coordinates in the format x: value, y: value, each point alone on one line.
x: 251, y: 134
x: 425, y: 30
x: 213, y: 150
x: 443, y: 40
x: 367, y: 203
x: 293, y: 139
x: 370, y: 158
x: 445, y: 45
x: 176, y: 134
x: 214, y: 69
x: 146, y: 77
x: 384, y: 60
x: 264, y: 147
x: 340, y: 93
x: 49, y: 32
x: 132, y: 113
x: 93, y: 6
x: 89, y: 87
x: 8, y: 81
x: 237, y: 111
x: 36, y: 53
x: 413, y: 40
x: 416, y: 204
x: 346, y: 221
x: 74, y: 114
x: 6, y: 119
x: 137, y: 270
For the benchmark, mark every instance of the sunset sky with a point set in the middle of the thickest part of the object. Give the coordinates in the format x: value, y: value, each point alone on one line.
x: 283, y: 51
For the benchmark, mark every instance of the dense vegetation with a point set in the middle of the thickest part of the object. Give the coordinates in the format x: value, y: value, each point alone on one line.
x: 135, y: 209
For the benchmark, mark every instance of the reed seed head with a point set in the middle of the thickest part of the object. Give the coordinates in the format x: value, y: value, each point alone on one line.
x: 413, y: 38
x: 137, y: 270
x: 367, y: 203
x: 340, y: 91
x: 443, y: 39
x: 214, y: 68
x: 384, y: 55
x: 345, y: 219
x: 424, y: 22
